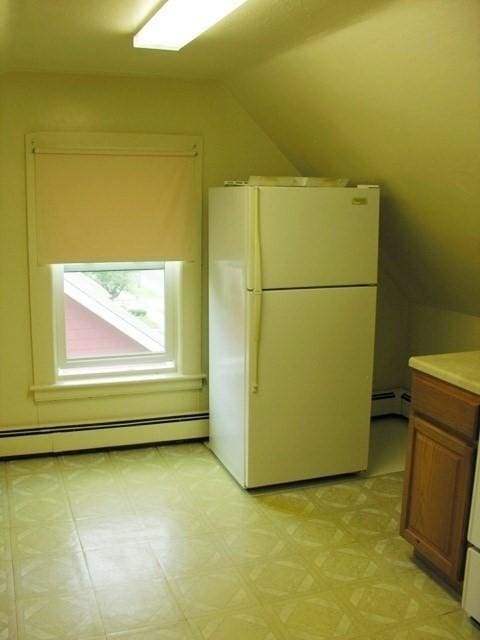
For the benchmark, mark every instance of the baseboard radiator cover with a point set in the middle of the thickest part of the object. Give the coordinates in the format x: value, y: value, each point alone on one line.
x: 391, y: 402
x: 48, y: 439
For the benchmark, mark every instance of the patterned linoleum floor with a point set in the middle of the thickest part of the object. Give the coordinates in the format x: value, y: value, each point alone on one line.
x: 160, y: 543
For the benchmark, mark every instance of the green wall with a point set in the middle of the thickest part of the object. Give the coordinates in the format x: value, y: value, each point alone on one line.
x: 389, y: 92
x: 234, y: 146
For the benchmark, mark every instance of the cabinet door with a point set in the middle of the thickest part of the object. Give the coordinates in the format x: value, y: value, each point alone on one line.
x: 436, y: 496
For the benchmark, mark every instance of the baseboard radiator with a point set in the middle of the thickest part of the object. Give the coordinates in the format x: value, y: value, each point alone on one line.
x: 391, y: 402
x: 27, y: 441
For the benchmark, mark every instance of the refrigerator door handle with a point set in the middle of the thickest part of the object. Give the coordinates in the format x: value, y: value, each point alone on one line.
x: 256, y: 327
x: 254, y: 276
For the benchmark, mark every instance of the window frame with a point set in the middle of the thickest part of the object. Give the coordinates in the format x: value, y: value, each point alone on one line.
x: 84, y: 368
x: 158, y: 390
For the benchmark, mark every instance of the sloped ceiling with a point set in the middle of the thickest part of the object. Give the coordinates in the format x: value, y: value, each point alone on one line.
x: 391, y: 96
x: 95, y: 36
x: 380, y: 91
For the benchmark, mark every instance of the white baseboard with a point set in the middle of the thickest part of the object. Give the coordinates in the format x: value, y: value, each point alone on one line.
x: 391, y: 402
x: 65, y: 438
x: 29, y: 441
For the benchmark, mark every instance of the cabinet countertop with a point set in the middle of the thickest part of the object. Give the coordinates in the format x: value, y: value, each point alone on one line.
x: 460, y: 369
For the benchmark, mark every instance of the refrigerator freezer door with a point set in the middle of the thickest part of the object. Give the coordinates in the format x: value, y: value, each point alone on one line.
x: 318, y: 236
x: 311, y: 414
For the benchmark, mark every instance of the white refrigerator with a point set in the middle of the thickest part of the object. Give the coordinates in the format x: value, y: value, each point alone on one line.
x: 292, y: 296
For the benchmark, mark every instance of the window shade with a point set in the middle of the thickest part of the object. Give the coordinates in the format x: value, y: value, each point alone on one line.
x: 115, y: 206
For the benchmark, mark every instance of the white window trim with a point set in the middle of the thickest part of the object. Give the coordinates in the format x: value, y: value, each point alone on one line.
x: 47, y: 386
x: 121, y: 365
x: 186, y: 376
x: 106, y: 387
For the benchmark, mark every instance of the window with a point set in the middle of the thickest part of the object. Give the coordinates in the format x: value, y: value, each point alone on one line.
x: 115, y: 318
x: 93, y: 200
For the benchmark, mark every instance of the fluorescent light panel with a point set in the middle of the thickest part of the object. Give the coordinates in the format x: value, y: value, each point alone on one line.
x: 178, y: 22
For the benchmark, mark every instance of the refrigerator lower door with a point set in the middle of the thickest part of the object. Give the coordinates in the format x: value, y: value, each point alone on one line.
x: 310, y: 416
x: 471, y: 589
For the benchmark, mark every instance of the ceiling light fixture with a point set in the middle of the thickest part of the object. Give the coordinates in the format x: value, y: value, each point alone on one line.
x: 178, y: 22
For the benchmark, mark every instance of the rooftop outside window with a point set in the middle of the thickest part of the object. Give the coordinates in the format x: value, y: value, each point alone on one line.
x: 115, y: 318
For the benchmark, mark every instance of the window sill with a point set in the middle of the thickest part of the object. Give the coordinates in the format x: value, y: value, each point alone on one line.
x: 116, y: 386
x: 85, y: 372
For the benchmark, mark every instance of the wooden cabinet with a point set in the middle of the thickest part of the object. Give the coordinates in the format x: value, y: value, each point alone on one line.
x: 443, y: 432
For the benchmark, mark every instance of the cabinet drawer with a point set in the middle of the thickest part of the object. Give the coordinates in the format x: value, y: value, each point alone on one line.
x: 450, y: 406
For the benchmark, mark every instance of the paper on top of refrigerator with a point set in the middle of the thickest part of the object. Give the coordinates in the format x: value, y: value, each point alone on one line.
x: 296, y: 181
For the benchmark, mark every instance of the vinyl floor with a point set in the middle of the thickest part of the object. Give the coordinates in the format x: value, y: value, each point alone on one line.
x: 160, y: 543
